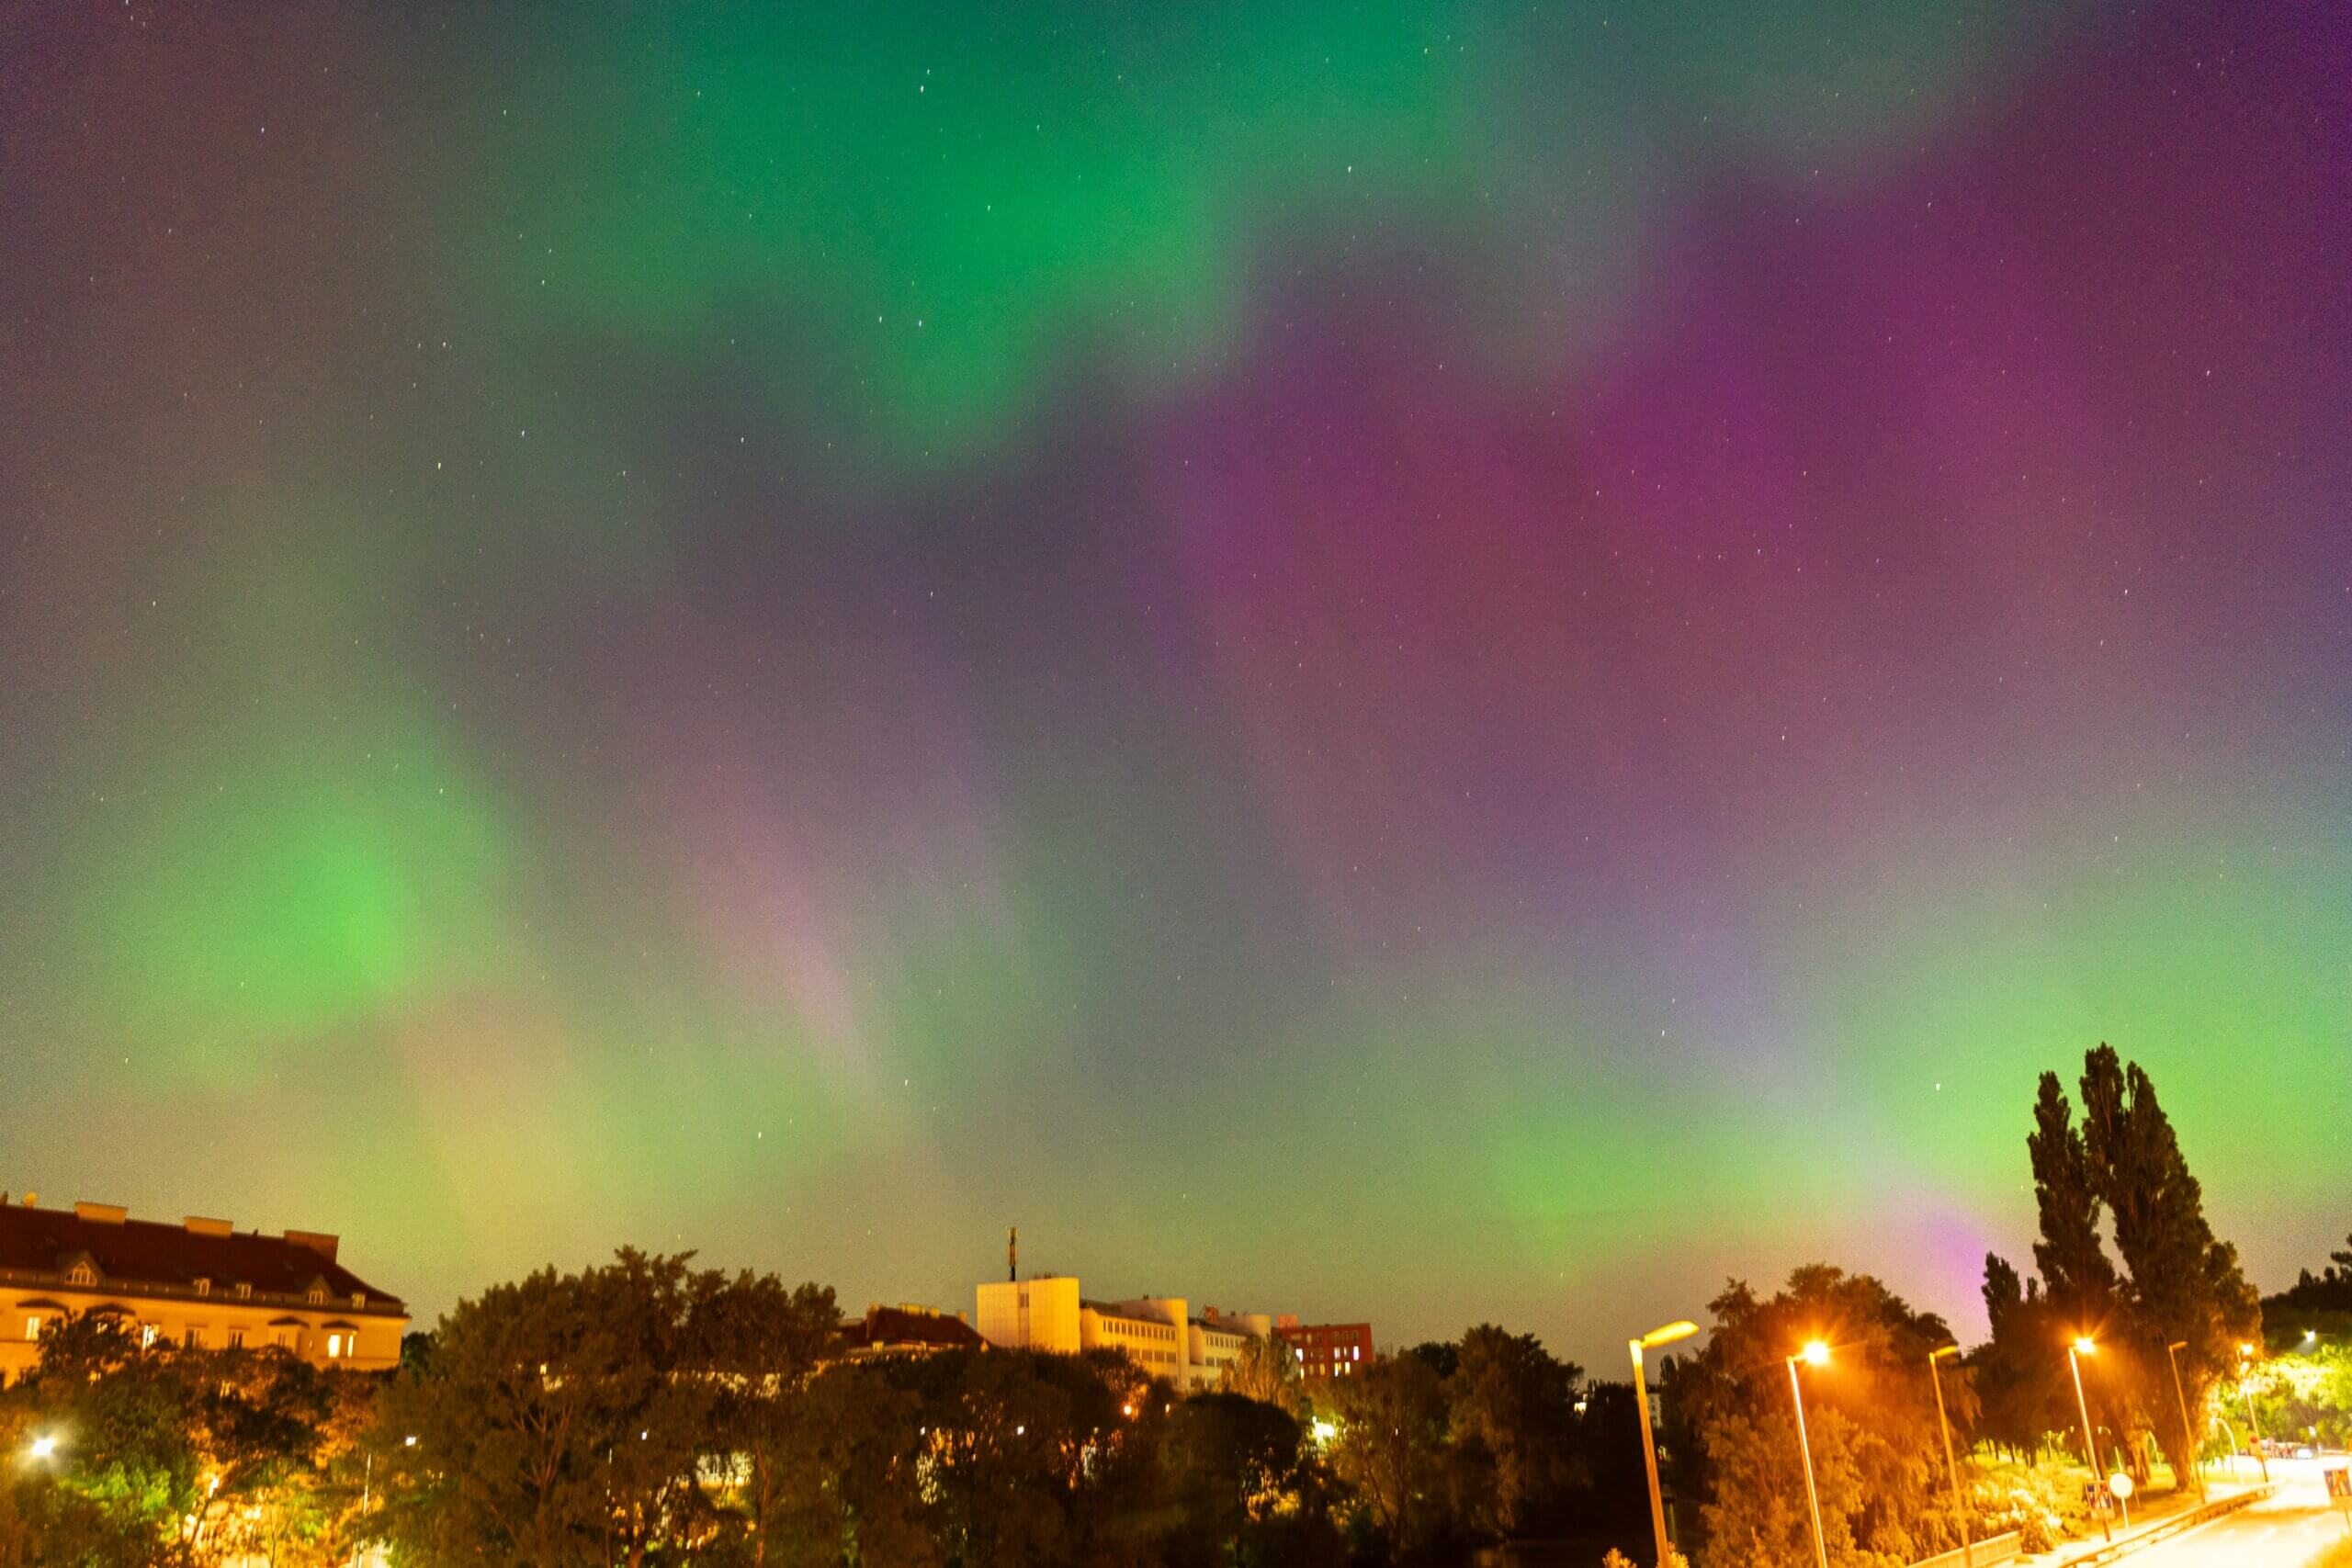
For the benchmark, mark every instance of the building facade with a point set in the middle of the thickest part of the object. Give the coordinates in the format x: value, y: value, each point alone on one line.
x: 199, y: 1282
x: 906, y: 1330
x: 1158, y: 1333
x: 1328, y: 1350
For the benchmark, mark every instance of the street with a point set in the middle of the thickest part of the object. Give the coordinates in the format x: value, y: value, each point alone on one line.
x: 2285, y: 1531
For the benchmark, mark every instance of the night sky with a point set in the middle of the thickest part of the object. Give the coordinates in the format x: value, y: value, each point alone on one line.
x: 1429, y: 663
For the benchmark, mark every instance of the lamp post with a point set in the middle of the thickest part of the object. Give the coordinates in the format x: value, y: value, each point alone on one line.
x: 2083, y: 1346
x: 2187, y: 1433
x: 1816, y: 1353
x: 2253, y: 1428
x: 1651, y: 1341
x: 1951, y: 1466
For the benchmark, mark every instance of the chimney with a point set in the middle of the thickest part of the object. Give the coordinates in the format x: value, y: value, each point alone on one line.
x: 317, y: 1241
x: 101, y: 1214
x: 199, y: 1225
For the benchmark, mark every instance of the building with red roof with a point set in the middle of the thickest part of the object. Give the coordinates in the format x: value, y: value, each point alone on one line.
x: 199, y: 1282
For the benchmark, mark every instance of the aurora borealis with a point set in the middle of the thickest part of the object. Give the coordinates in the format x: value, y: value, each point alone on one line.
x: 1437, y: 663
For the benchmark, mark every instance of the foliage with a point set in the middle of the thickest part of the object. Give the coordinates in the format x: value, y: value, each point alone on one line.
x: 2019, y: 1378
x: 1514, y: 1406
x: 2181, y: 1285
x: 552, y: 1424
x: 2305, y: 1395
x: 2186, y: 1284
x: 1265, y: 1369
x: 1616, y: 1559
x: 174, y: 1454
x: 1871, y: 1421
x: 1392, y: 1449
x: 1244, y: 1490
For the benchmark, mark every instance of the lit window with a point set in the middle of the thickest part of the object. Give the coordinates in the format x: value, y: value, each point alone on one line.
x: 147, y: 1332
x: 33, y: 1326
x: 334, y: 1346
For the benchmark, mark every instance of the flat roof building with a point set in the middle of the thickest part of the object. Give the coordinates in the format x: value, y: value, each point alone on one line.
x: 199, y: 1282
x: 1328, y: 1350
x: 1158, y: 1333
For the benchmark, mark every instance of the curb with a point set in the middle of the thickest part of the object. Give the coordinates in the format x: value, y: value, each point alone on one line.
x: 2178, y: 1524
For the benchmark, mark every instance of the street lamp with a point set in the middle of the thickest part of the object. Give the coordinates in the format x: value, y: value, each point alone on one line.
x: 43, y: 1446
x: 2253, y: 1428
x: 1816, y: 1354
x: 1651, y: 1341
x: 1951, y: 1466
x: 2084, y: 1346
x: 2187, y: 1433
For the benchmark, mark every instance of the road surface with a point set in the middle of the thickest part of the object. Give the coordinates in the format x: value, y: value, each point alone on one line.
x: 2285, y: 1531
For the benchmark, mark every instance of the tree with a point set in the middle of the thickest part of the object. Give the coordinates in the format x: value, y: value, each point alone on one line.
x: 1265, y: 1369
x: 553, y: 1423
x: 1024, y: 1455
x: 1393, y: 1420
x: 842, y: 1485
x: 2186, y: 1285
x: 1515, y: 1404
x: 171, y: 1454
x: 1241, y: 1491
x: 1871, y: 1418
x: 2320, y: 1302
x: 2077, y: 1276
x: 2018, y: 1372
x: 2078, y: 1280
x: 758, y: 1342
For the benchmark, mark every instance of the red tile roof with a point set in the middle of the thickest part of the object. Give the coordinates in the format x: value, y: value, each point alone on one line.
x: 886, y: 1328
x: 135, y: 1252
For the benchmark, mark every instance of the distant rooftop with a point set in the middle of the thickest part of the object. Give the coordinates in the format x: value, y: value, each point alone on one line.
x: 131, y: 1255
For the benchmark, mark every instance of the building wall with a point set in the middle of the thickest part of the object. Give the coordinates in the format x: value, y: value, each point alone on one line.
x: 1158, y: 1333
x: 1150, y: 1332
x: 1033, y: 1314
x: 1329, y: 1350
x: 328, y: 1335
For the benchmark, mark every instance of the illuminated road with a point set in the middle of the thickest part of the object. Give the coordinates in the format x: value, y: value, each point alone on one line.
x: 2283, y: 1531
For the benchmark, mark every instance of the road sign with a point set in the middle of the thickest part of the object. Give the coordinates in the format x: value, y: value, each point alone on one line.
x: 2339, y: 1483
x: 2119, y: 1483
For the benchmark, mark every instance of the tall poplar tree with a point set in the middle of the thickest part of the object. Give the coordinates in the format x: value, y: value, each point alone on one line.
x: 2185, y: 1286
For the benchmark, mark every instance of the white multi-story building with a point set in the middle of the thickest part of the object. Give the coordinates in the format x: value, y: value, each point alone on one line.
x: 1156, y: 1332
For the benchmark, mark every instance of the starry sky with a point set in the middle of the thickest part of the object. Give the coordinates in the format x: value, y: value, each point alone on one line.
x: 1428, y: 663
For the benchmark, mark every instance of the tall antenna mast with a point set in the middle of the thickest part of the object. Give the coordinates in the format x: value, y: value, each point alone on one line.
x: 1011, y: 1253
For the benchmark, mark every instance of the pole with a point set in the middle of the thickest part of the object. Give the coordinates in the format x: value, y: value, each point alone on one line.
x: 1805, y: 1451
x: 367, y: 1496
x: 1649, y: 1449
x: 2253, y: 1428
x: 1951, y: 1466
x: 2187, y: 1433
x: 2090, y: 1444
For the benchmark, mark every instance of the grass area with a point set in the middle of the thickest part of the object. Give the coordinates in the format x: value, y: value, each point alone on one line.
x: 2336, y: 1556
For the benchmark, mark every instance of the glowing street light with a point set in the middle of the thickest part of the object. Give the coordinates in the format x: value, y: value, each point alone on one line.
x: 1814, y: 1354
x: 2084, y: 1346
x: 1651, y: 1341
x: 43, y: 1446
x: 1951, y: 1465
x: 2187, y: 1433
x: 2253, y: 1428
